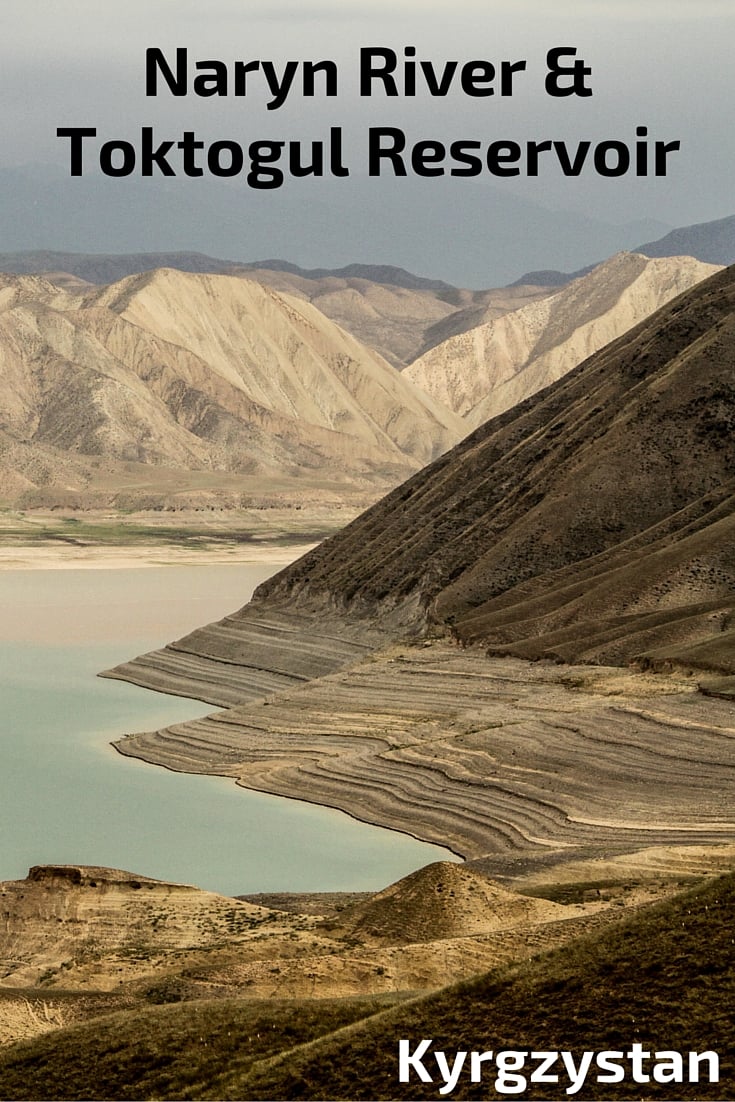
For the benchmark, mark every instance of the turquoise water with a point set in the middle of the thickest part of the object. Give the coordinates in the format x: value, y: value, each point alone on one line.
x: 67, y: 797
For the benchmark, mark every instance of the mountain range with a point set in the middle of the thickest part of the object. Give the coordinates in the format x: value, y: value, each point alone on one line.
x: 393, y: 311
x: 526, y: 650
x: 167, y: 371
x: 176, y: 388
x: 592, y: 521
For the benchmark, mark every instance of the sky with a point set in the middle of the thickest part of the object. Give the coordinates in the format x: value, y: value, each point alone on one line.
x: 80, y: 63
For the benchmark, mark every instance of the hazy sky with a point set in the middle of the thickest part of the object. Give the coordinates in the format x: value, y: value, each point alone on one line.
x: 665, y: 64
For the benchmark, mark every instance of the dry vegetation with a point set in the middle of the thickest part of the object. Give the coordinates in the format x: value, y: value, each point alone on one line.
x: 197, y: 1029
x: 591, y: 524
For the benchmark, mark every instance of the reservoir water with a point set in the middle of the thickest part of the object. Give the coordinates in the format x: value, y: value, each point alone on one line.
x: 67, y: 797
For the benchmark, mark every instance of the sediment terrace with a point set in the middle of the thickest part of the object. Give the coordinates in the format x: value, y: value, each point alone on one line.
x: 487, y: 756
x: 250, y: 654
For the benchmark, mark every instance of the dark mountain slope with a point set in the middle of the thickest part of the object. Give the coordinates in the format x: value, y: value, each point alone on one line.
x: 601, y: 508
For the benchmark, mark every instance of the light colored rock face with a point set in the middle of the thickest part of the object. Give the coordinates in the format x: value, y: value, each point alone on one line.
x: 64, y: 917
x: 398, y: 322
x: 203, y: 373
x: 489, y: 369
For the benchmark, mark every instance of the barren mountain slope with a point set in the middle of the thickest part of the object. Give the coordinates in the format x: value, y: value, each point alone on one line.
x: 390, y: 310
x: 199, y: 372
x: 486, y: 370
x: 398, y: 322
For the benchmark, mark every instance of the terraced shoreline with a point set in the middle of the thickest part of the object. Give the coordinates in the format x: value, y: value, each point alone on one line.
x: 486, y: 756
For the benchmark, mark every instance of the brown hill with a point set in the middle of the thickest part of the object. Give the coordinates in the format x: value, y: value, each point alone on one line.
x: 592, y: 523
x: 665, y: 979
x: 198, y: 373
x: 493, y: 363
x: 443, y: 900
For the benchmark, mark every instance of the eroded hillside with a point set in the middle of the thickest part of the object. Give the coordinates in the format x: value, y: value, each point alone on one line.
x: 197, y: 373
x: 488, y: 368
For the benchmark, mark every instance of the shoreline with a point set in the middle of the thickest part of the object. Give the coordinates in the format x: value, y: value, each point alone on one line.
x: 101, y: 557
x: 454, y: 749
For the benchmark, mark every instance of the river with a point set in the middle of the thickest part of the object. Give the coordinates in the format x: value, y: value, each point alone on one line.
x: 67, y: 797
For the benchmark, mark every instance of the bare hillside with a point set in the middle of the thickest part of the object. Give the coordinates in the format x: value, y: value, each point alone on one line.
x: 485, y: 370
x: 392, y: 311
x: 178, y: 371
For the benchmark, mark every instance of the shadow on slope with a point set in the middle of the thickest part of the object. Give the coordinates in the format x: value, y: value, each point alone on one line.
x: 665, y: 979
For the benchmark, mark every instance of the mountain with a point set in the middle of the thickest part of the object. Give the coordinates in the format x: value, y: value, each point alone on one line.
x: 110, y: 267
x: 394, y: 312
x: 394, y: 670
x: 201, y: 373
x: 713, y: 242
x: 487, y: 369
x: 594, y: 521
x: 397, y: 320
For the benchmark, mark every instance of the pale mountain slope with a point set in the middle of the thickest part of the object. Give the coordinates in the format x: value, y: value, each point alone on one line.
x: 493, y: 367
x: 399, y: 322
x: 284, y: 354
x: 396, y: 313
x: 199, y: 372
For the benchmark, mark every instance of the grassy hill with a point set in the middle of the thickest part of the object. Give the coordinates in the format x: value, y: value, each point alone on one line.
x: 664, y: 979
